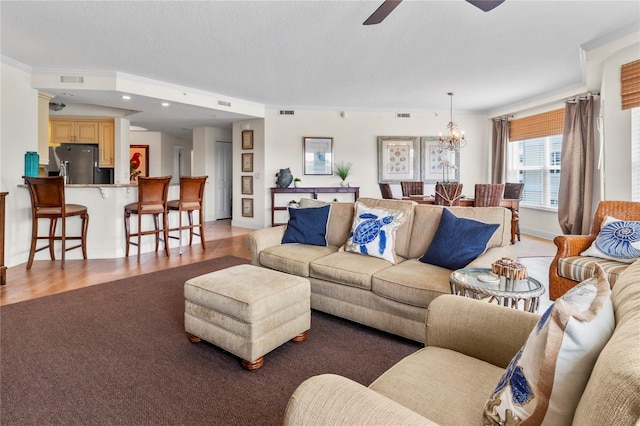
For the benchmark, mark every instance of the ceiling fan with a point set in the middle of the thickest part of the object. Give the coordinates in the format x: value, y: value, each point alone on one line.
x: 387, y: 7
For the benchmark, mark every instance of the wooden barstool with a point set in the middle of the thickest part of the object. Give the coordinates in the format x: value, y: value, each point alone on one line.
x: 152, y: 200
x: 191, y: 194
x: 47, y: 202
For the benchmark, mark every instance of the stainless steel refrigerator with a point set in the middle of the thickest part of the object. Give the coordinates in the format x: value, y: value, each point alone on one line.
x: 81, y: 161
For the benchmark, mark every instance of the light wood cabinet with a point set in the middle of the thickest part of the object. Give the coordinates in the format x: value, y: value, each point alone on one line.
x: 106, y: 143
x: 85, y: 130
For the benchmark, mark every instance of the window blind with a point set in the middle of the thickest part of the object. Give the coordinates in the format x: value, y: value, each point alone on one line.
x: 537, y: 126
x: 630, y: 85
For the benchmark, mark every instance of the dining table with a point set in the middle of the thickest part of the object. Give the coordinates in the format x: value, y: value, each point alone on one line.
x: 508, y: 203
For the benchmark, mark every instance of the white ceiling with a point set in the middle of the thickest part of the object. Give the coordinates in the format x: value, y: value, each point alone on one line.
x: 316, y: 54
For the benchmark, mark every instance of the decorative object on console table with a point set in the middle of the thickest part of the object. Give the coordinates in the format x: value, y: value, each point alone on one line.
x: 313, y: 192
x: 398, y: 158
x: 284, y: 178
x: 247, y: 139
x: 342, y: 170
x: 297, y: 182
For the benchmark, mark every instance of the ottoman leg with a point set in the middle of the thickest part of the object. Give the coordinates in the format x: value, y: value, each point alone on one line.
x: 252, y: 366
x: 300, y: 337
x: 192, y: 338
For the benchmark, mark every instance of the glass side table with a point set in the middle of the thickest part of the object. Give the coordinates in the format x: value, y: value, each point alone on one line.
x: 480, y: 283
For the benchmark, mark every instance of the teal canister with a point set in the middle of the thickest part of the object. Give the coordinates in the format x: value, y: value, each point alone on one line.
x: 31, y: 164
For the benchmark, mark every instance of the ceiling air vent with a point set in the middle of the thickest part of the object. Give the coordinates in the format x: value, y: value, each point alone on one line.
x: 224, y: 103
x: 71, y: 79
x: 287, y: 112
x: 403, y: 115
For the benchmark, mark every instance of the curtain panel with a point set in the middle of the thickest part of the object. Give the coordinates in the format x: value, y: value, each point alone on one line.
x: 499, y: 140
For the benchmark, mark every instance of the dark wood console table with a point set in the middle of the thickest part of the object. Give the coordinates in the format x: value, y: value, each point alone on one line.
x: 312, y: 191
x: 3, y: 269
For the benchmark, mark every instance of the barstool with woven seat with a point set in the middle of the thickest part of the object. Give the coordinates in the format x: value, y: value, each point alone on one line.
x: 47, y: 202
x: 152, y: 200
x: 191, y: 194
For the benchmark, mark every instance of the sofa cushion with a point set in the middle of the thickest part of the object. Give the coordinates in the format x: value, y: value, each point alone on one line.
x: 373, y: 232
x: 293, y: 258
x: 427, y: 218
x: 412, y: 282
x: 617, y: 240
x: 445, y: 386
x: 546, y: 378
x: 580, y: 268
x: 340, y: 218
x: 458, y: 241
x: 347, y: 269
x: 307, y: 226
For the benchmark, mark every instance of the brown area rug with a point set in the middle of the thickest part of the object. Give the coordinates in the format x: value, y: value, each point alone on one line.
x: 117, y: 353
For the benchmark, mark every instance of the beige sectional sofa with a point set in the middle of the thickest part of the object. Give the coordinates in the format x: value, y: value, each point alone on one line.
x: 370, y: 290
x: 468, y: 347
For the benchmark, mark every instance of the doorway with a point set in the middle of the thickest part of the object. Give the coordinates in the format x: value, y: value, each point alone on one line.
x: 223, y: 179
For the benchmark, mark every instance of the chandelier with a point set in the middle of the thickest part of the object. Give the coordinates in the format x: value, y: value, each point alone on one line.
x: 453, y: 141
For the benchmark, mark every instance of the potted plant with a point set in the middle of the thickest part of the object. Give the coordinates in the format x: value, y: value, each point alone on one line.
x: 343, y: 170
x: 296, y: 182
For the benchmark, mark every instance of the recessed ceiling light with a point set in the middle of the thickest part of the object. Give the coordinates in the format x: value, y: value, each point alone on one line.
x: 126, y: 97
x: 165, y: 104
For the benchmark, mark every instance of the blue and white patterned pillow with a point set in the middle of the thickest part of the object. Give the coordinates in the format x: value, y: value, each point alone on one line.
x: 547, y: 377
x: 373, y: 232
x: 618, y: 240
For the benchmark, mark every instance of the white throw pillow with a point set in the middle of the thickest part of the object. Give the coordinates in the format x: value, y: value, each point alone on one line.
x: 373, y: 232
x: 617, y: 240
x: 545, y: 380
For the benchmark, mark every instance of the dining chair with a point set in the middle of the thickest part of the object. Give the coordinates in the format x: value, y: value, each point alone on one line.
x: 448, y: 194
x: 513, y: 191
x: 47, y: 202
x: 412, y: 188
x: 152, y: 200
x: 191, y: 195
x: 385, y: 189
x: 488, y: 194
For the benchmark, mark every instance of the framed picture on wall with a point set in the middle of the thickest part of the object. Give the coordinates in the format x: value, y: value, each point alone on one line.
x: 247, y: 139
x: 318, y: 155
x: 398, y: 158
x: 247, y: 162
x: 138, y: 162
x: 438, y: 165
x: 247, y: 207
x: 247, y: 185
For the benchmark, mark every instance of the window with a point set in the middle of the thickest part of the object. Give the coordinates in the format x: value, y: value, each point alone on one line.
x: 534, y: 157
x: 536, y: 163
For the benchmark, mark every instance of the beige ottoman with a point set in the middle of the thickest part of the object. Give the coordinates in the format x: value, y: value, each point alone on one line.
x: 247, y: 310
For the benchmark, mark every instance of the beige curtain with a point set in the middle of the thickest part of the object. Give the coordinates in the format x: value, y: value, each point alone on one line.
x: 575, y: 194
x: 499, y: 140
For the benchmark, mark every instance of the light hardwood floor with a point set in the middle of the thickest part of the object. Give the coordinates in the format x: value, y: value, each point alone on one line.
x: 46, y: 277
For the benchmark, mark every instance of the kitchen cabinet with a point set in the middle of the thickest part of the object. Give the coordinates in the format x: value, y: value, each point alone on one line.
x: 85, y: 130
x: 106, y: 143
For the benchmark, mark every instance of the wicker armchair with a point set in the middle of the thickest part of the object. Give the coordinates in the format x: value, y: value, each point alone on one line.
x: 385, y: 190
x: 488, y: 194
x: 573, y: 245
x: 412, y: 188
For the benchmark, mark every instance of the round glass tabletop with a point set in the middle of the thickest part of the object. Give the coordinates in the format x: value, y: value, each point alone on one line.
x: 484, y: 281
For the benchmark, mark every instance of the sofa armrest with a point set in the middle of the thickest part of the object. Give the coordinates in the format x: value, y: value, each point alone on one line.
x: 261, y: 239
x: 329, y: 399
x: 477, y: 328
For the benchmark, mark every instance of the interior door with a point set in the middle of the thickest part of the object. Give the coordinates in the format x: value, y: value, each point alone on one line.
x: 223, y: 179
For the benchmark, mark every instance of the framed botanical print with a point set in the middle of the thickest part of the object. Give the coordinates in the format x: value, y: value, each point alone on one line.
x: 247, y: 139
x: 438, y: 165
x: 247, y: 207
x: 398, y: 158
x: 247, y: 162
x: 247, y: 185
x: 318, y: 156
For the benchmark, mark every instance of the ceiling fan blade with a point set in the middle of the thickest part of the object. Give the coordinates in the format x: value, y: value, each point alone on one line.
x: 486, y: 5
x: 382, y: 12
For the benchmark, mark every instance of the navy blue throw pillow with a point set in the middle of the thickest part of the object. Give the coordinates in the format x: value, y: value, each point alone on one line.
x: 458, y: 241
x: 307, y: 226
